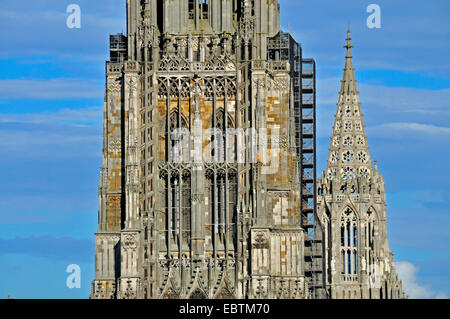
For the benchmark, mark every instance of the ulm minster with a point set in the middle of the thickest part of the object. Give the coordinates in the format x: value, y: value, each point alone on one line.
x: 208, y: 186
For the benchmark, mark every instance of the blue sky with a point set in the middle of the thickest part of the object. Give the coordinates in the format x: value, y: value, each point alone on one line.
x: 51, y: 100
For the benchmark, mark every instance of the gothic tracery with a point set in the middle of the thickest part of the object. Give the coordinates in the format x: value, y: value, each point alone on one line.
x: 349, y: 196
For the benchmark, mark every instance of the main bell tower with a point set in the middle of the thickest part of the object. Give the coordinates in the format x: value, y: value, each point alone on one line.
x: 200, y: 188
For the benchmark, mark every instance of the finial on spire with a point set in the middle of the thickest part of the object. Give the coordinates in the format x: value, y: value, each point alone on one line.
x: 349, y: 45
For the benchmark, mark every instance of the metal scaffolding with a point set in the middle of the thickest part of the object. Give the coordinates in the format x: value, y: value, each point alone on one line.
x: 117, y: 48
x: 314, y: 248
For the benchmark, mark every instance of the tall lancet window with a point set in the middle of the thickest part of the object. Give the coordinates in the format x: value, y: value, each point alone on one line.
x: 191, y: 9
x: 349, y: 244
x: 177, y: 184
x: 174, y: 194
x: 220, y: 141
x: 222, y: 180
x: 204, y: 9
x: 186, y: 206
x: 223, y: 194
x: 369, y: 236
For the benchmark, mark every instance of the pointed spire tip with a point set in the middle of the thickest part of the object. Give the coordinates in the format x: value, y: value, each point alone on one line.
x: 348, y: 45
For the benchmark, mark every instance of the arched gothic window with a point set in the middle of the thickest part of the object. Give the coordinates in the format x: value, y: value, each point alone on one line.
x: 223, y: 199
x: 222, y: 140
x: 177, y: 182
x: 178, y: 205
x: 179, y: 138
x: 349, y: 242
x: 369, y: 230
x: 202, y: 10
x: 222, y: 194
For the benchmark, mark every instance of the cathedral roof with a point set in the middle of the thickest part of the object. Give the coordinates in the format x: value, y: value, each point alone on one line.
x: 349, y: 154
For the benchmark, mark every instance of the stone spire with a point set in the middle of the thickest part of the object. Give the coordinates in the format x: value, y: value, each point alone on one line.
x: 349, y: 154
x: 351, y: 207
x: 348, y: 82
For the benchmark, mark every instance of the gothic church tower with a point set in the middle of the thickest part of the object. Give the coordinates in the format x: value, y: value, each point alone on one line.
x: 185, y: 213
x: 352, y: 207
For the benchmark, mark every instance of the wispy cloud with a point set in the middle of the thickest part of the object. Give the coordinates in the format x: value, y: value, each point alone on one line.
x: 23, y: 217
x: 411, y: 127
x: 29, y: 141
x: 407, y: 273
x: 43, y: 29
x: 388, y: 109
x: 66, y: 248
x: 394, y: 99
x: 23, y: 136
x: 441, y: 295
x: 407, y: 100
x: 85, y: 116
x: 411, y: 37
x: 407, y: 219
x: 62, y: 88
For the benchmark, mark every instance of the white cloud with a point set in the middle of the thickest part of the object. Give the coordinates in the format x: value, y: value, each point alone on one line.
x: 389, y: 110
x: 407, y: 273
x: 61, y: 88
x: 43, y: 28
x: 407, y: 100
x: 90, y: 115
x: 400, y: 99
x: 22, y: 141
x: 412, y: 127
x: 441, y: 295
x: 411, y: 37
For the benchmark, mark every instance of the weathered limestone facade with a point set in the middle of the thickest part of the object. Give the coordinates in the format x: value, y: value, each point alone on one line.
x: 202, y: 189
x: 173, y: 224
x: 352, y: 207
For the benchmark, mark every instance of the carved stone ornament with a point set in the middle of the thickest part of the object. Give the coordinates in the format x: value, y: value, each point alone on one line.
x: 129, y: 241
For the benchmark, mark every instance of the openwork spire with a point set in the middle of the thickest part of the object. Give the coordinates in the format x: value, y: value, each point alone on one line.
x: 349, y: 153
